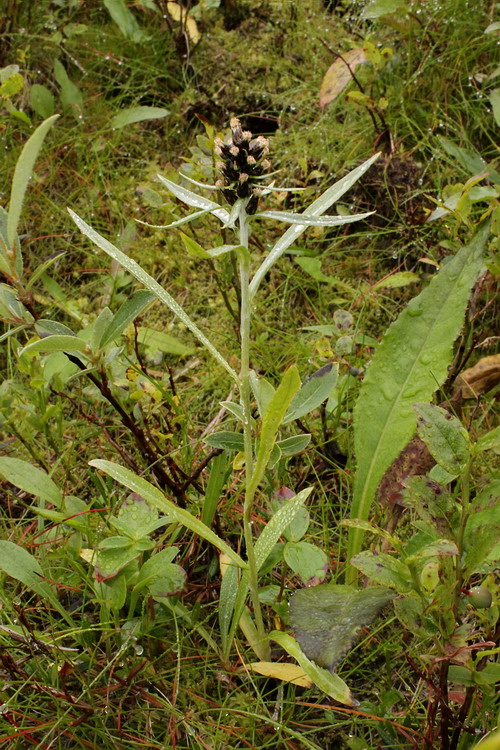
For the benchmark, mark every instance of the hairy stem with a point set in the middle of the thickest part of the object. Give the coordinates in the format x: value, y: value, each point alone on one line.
x: 245, y: 319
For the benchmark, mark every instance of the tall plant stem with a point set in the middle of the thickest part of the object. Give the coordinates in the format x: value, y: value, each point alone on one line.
x: 245, y: 321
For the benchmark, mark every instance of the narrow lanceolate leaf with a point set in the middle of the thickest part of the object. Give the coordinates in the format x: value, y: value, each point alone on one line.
x: 318, y: 208
x: 130, y: 309
x: 410, y: 364
x: 154, y: 496
x: 277, y: 525
x: 195, y: 200
x: 22, y: 174
x: 329, y: 683
x: 309, y: 221
x: 271, y: 421
x: 138, y: 114
x: 135, y: 270
x: 58, y: 343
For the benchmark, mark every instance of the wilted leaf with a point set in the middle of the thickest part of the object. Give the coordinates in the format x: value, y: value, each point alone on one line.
x: 413, y: 460
x: 180, y: 14
x: 286, y: 672
x: 481, y: 378
x: 339, y: 75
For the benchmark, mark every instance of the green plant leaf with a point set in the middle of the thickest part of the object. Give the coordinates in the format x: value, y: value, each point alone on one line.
x: 130, y: 309
x: 271, y: 421
x: 30, y: 479
x: 194, y: 248
x: 409, y: 365
x: 136, y: 518
x: 384, y: 569
x: 471, y: 161
x: 306, y: 560
x: 135, y: 270
x: 378, y: 8
x: 57, y: 343
x: 195, y: 200
x: 22, y: 174
x: 20, y: 564
x: 219, y: 467
x: 42, y: 100
x: 45, y: 327
x: 277, y: 525
x: 227, y: 598
x: 445, y: 437
x: 125, y: 20
x: 293, y: 445
x: 327, y: 619
x: 163, y: 342
x: 262, y: 390
x: 313, y: 392
x: 71, y: 96
x: 331, y: 684
x: 226, y: 440
x: 137, y: 114
x: 490, y: 441
x: 153, y: 495
x: 309, y: 221
x: 317, y: 208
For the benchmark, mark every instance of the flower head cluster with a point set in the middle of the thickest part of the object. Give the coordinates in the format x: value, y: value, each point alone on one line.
x: 242, y: 163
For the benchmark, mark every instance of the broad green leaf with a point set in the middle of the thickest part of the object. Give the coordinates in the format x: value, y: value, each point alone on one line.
x: 20, y: 564
x: 310, y: 221
x: 489, y: 441
x: 226, y: 440
x: 71, y: 96
x: 306, y: 560
x: 42, y: 100
x: 327, y: 619
x: 378, y: 8
x: 172, y: 581
x: 10, y: 307
x: 135, y: 270
x: 45, y: 327
x: 136, y: 518
x: 57, y: 343
x: 313, y: 392
x: 130, y: 309
x: 112, y: 559
x: 153, y: 495
x: 494, y: 97
x: 163, y: 342
x: 384, y: 569
x: 295, y: 444
x: 470, y: 160
x: 408, y: 366
x: 22, y: 174
x: 445, y: 437
x: 317, y: 208
x: 277, y: 525
x: 271, y: 421
x: 137, y: 114
x: 30, y: 479
x: 262, y: 390
x: 125, y: 20
x: 331, y: 684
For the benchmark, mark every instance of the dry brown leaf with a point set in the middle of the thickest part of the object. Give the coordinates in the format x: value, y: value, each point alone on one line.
x: 286, y: 672
x: 481, y: 378
x: 338, y: 75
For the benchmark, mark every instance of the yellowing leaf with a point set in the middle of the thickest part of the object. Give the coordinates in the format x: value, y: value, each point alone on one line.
x: 339, y: 75
x: 179, y: 14
x: 286, y: 672
x: 87, y: 555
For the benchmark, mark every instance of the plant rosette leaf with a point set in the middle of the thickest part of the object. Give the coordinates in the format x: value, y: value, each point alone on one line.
x: 408, y: 366
x: 30, y: 479
x: 306, y: 560
x: 327, y: 619
x: 313, y: 392
x: 137, y: 518
x: 384, y: 569
x: 445, y: 437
